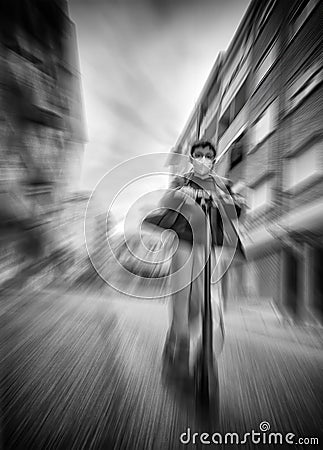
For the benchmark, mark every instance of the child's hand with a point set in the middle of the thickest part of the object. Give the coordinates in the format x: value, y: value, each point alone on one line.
x: 187, y: 190
x: 240, y: 200
x: 189, y: 193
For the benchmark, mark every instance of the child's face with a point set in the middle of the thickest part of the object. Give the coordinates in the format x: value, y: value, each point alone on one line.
x: 202, y: 160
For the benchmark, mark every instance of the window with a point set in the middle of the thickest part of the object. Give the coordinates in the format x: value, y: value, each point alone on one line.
x: 234, y: 108
x: 235, y: 66
x: 304, y: 85
x: 264, y: 125
x: 261, y: 195
x: 266, y: 62
x: 224, y: 121
x: 300, y: 16
x: 240, y: 98
x: 236, y: 153
x: 303, y: 166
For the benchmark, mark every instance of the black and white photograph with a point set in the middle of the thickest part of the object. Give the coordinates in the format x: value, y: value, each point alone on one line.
x: 161, y: 224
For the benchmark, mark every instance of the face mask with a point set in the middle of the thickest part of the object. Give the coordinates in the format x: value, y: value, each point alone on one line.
x: 202, y: 166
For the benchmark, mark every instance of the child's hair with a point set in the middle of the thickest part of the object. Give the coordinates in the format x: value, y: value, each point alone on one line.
x: 203, y: 144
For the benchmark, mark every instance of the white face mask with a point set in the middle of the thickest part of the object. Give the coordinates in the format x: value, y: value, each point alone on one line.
x: 202, y: 166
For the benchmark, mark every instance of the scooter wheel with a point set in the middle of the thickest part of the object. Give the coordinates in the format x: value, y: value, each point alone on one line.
x: 206, y: 385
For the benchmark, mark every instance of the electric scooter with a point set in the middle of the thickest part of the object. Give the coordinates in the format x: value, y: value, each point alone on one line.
x: 206, y: 378
x: 203, y: 386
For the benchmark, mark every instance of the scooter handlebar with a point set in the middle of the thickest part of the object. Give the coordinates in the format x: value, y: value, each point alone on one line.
x: 206, y: 198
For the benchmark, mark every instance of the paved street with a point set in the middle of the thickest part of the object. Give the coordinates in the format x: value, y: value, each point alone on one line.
x: 83, y: 371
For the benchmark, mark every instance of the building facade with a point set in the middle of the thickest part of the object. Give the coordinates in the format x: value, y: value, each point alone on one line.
x: 262, y: 106
x: 42, y: 128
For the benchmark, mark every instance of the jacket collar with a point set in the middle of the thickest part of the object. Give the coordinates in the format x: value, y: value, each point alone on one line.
x: 221, y: 182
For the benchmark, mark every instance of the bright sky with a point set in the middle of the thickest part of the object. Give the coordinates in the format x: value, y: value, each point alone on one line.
x: 143, y: 65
